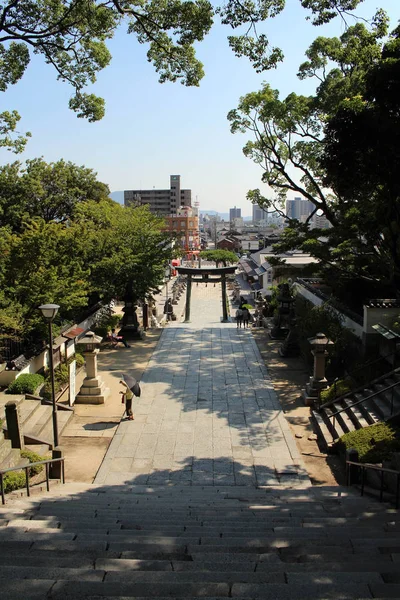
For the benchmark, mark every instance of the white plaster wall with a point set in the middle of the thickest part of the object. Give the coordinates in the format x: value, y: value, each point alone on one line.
x: 354, y: 327
x: 385, y: 316
x: 6, y: 377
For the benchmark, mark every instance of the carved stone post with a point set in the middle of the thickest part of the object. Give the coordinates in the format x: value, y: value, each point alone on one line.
x: 14, y: 430
x: 224, y: 309
x: 188, y: 295
x: 145, y: 316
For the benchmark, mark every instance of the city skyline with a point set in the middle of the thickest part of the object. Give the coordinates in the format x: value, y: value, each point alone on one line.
x: 152, y: 130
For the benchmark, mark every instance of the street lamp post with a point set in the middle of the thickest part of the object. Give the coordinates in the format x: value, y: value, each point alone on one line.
x: 49, y: 312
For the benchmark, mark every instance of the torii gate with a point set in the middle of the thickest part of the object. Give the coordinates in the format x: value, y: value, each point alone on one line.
x: 206, y: 275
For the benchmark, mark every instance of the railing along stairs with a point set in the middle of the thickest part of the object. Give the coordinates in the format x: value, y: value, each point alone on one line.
x: 364, y: 467
x: 366, y: 405
x: 26, y: 468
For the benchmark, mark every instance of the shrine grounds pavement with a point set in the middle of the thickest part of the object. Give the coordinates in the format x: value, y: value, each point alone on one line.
x: 208, y: 413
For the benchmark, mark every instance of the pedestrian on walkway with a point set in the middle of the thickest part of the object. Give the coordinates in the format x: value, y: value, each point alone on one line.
x: 239, y: 318
x: 131, y: 388
x: 168, y: 309
x: 246, y: 316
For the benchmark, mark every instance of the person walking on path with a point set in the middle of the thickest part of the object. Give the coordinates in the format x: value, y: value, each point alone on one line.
x: 132, y: 388
x: 168, y: 309
x: 246, y: 316
x: 239, y: 318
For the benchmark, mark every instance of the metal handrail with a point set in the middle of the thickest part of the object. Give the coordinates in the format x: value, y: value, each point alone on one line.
x: 360, y: 387
x: 390, y: 387
x: 26, y: 469
x: 361, y: 367
x: 382, y: 470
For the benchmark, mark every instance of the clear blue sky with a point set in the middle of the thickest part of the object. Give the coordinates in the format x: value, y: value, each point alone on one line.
x: 151, y: 130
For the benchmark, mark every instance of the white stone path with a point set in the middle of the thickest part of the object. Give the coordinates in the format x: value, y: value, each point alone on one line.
x: 208, y: 414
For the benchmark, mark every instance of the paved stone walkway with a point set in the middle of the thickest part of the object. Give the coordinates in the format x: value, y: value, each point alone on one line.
x: 208, y: 414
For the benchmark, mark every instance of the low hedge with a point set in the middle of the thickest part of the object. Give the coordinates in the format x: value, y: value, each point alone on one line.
x: 25, y: 384
x: 61, y: 377
x: 80, y: 361
x: 374, y: 443
x: 16, y: 480
x: 334, y: 391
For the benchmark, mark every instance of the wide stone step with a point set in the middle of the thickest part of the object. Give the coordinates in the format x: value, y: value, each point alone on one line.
x: 343, y: 418
x: 72, y: 589
x: 274, y: 563
x: 63, y: 418
x: 355, y: 414
x: 26, y: 409
x: 46, y: 559
x: 328, y: 591
x: 38, y: 420
x: 49, y: 572
x: 231, y: 577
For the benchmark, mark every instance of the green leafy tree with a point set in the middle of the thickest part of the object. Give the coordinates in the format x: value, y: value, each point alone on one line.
x: 361, y: 157
x: 219, y: 256
x: 10, y: 138
x: 41, y: 264
x: 47, y: 190
x: 72, y: 37
x: 291, y: 142
x: 125, y: 248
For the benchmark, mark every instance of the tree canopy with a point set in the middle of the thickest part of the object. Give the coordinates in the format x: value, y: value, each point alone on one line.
x: 72, y: 36
x: 47, y: 190
x: 219, y: 256
x: 331, y: 149
x: 71, y: 245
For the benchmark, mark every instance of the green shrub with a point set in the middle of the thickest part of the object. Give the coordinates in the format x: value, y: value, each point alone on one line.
x: 105, y: 324
x: 80, y: 361
x: 373, y: 444
x: 312, y: 319
x: 342, y: 387
x: 33, y: 457
x: 14, y: 481
x: 17, y: 479
x: 60, y: 379
x: 25, y: 384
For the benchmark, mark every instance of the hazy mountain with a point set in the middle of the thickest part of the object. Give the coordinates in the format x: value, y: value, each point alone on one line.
x: 117, y: 197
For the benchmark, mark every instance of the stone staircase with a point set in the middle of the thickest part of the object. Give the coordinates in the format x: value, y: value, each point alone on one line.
x: 132, y: 541
x: 9, y: 457
x: 35, y: 419
x: 379, y: 405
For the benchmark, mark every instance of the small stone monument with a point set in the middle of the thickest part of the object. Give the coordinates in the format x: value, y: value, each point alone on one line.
x: 290, y: 345
x: 285, y: 313
x: 318, y: 381
x: 93, y: 390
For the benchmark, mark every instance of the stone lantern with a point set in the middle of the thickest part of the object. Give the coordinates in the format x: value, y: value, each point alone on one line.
x: 285, y: 313
x: 318, y: 382
x: 93, y: 390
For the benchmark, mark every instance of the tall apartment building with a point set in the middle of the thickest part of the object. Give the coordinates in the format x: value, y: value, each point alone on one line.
x: 320, y: 222
x: 259, y: 214
x: 235, y: 213
x: 299, y: 208
x: 161, y: 202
